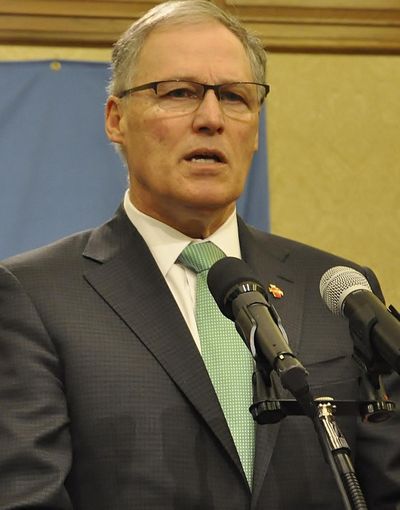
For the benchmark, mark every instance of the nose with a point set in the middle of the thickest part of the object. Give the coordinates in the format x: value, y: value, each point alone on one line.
x: 209, y: 117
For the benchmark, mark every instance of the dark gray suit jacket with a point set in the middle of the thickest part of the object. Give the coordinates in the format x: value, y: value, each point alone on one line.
x: 105, y: 402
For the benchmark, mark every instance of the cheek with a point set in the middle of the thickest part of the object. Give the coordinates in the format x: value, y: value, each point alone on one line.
x: 248, y: 143
x: 156, y: 135
x: 145, y: 125
x: 145, y: 143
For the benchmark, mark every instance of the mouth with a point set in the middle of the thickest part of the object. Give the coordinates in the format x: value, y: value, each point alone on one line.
x: 205, y: 156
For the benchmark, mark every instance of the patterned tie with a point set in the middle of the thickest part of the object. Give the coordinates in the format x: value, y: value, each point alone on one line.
x: 228, y: 361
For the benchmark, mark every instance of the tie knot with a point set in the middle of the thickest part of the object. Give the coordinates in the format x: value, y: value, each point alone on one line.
x: 200, y: 256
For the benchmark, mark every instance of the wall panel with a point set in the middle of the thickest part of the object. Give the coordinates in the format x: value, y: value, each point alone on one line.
x: 298, y: 25
x: 334, y: 152
x: 333, y: 111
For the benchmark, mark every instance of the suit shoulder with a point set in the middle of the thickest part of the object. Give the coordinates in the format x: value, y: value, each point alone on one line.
x: 285, y: 248
x: 53, y: 255
x: 309, y: 259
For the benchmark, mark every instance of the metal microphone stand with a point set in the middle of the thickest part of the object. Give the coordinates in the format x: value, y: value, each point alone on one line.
x: 268, y: 408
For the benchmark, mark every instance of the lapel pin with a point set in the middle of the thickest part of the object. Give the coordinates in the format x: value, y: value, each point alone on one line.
x: 275, y: 291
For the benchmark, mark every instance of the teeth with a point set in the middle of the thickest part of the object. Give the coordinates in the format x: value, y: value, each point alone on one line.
x: 204, y: 160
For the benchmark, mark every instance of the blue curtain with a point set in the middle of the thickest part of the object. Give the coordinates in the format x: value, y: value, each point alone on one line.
x: 253, y: 205
x: 59, y: 174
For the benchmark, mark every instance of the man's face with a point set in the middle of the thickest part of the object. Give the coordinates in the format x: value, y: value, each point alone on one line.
x: 168, y: 179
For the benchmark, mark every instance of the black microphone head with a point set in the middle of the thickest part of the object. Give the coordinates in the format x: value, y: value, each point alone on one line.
x: 337, y: 283
x: 223, y: 280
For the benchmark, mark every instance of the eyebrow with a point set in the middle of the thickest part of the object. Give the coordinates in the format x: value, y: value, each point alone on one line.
x: 198, y: 80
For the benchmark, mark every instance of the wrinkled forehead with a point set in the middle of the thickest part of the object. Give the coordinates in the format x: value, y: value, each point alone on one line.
x: 196, y: 50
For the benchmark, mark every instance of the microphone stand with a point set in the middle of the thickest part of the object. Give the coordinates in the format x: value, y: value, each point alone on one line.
x: 337, y: 454
x: 268, y: 408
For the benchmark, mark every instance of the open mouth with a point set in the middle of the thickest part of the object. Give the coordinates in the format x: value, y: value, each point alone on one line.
x: 206, y: 156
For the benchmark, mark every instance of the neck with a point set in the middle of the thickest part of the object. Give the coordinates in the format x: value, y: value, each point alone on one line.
x: 198, y: 229
x: 192, y: 222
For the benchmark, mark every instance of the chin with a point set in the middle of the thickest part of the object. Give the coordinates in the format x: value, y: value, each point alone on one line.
x: 217, y: 194
x: 209, y: 202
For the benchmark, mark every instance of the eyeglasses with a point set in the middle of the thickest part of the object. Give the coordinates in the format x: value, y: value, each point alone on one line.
x: 238, y: 100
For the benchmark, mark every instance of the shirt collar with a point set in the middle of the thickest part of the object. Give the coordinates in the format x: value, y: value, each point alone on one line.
x: 166, y: 243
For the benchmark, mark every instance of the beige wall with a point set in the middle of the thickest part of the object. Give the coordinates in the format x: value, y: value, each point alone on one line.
x: 334, y: 156
x: 20, y: 52
x: 334, y: 152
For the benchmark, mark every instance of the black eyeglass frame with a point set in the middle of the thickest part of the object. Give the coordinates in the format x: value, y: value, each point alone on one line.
x: 206, y: 86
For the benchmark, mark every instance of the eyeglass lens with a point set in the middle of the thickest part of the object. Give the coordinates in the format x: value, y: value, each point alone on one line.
x: 239, y: 99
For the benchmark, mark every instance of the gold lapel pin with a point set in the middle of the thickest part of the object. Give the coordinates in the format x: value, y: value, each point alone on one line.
x: 275, y: 291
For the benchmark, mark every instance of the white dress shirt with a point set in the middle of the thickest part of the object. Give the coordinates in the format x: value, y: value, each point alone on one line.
x: 166, y: 244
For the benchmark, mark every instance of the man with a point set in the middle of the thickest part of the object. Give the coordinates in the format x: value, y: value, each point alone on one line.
x: 105, y: 398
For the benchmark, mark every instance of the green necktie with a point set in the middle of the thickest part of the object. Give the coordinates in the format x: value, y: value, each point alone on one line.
x: 228, y: 361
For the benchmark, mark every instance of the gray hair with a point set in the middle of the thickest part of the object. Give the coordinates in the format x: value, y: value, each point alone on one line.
x: 127, y: 49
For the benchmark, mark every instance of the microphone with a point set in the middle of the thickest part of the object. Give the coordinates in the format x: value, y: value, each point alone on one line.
x: 347, y: 292
x: 242, y: 299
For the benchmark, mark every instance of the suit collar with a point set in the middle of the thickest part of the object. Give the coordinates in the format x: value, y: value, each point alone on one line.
x: 271, y: 262
x: 126, y: 276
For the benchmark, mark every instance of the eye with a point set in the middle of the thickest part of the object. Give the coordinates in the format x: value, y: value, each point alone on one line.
x: 233, y: 96
x: 181, y: 92
x: 178, y: 91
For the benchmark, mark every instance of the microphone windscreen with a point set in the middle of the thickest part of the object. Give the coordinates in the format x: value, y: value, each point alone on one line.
x: 225, y: 275
x: 337, y: 283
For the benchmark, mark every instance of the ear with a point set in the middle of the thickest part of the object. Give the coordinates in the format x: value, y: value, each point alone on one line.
x: 113, y: 119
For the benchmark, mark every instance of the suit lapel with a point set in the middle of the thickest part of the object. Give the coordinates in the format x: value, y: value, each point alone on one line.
x: 128, y: 279
x: 271, y: 266
x: 122, y: 270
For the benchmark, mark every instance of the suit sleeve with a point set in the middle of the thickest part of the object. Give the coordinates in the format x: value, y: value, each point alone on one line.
x: 378, y: 456
x: 35, y: 449
x: 378, y: 446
